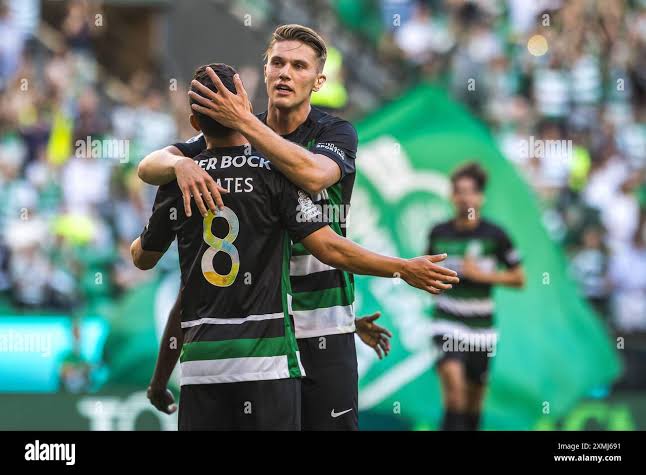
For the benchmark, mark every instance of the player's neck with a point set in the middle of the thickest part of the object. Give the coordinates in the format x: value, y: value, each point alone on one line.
x: 234, y: 140
x: 286, y: 121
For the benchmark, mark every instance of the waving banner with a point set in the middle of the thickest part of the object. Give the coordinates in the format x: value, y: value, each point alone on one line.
x: 552, y: 351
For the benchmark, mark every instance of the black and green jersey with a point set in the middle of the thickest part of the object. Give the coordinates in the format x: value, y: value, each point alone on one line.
x: 322, y: 297
x: 469, y: 305
x: 235, y: 269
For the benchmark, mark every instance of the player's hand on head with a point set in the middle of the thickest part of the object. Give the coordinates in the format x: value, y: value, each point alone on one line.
x: 162, y: 399
x: 373, y: 335
x: 223, y: 106
x: 195, y: 182
x: 424, y: 273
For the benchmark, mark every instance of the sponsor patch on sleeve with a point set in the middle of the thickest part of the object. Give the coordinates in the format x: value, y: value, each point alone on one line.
x: 330, y: 147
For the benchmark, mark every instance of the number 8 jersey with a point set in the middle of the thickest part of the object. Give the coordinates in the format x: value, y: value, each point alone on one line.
x: 235, y: 268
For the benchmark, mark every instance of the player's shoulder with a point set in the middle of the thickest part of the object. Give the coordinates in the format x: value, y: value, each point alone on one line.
x: 442, y: 228
x: 491, y: 228
x: 192, y: 146
x: 325, y: 120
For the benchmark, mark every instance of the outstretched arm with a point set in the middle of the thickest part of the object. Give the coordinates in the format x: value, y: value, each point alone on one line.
x: 421, y: 272
x: 513, y: 277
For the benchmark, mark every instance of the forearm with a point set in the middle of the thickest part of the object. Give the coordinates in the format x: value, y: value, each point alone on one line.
x: 508, y: 278
x: 158, y: 167
x: 298, y: 164
x: 343, y: 254
x: 170, y: 347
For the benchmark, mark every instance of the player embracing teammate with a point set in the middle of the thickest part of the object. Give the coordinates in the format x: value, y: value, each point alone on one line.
x: 316, y: 151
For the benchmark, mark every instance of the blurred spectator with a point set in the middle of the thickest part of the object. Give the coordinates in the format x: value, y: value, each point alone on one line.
x: 419, y: 36
x: 396, y: 12
x: 11, y: 44
x: 155, y: 124
x: 78, y: 27
x: 628, y: 276
x: 590, y: 268
x: 621, y: 216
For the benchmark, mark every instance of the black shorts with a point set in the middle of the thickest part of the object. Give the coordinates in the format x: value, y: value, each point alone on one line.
x: 330, y: 388
x: 476, y: 363
x: 273, y: 404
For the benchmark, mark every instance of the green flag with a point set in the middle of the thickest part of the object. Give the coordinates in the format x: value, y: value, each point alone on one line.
x: 136, y: 325
x: 552, y: 348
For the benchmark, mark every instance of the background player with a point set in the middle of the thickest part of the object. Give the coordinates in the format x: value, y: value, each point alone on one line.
x: 463, y: 317
x: 237, y: 328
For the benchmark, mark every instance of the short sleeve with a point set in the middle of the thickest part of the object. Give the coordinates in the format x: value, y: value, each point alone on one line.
x: 160, y: 231
x: 338, y: 142
x: 192, y: 147
x: 297, y: 212
x: 506, y: 252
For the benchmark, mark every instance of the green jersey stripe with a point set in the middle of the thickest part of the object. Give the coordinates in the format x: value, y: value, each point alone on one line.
x: 241, y: 348
x: 340, y: 296
x: 290, y: 334
x: 299, y: 250
x: 464, y: 246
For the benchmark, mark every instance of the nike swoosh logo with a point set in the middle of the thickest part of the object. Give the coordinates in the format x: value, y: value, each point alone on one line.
x: 337, y: 414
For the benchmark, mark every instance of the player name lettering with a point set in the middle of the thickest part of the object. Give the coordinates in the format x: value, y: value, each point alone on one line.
x: 238, y: 161
x: 236, y: 185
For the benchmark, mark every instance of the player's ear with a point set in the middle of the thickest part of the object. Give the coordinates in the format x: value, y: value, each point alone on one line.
x: 320, y: 80
x: 264, y: 72
x: 194, y: 123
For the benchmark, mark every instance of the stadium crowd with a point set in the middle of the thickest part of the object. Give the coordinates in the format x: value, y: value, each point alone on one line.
x: 67, y: 221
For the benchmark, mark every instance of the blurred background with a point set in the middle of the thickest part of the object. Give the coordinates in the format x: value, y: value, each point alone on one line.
x: 549, y: 95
